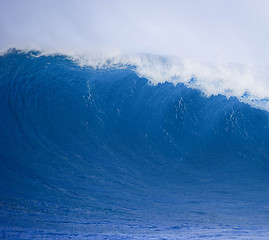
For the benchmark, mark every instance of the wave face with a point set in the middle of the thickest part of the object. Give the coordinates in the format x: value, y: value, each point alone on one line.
x: 101, y: 153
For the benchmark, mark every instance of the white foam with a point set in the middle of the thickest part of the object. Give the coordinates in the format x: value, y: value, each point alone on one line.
x: 248, y: 84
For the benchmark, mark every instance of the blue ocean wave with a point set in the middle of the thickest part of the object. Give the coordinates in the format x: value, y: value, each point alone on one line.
x: 102, y: 151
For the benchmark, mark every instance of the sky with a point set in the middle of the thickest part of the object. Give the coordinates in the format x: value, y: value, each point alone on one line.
x: 230, y: 31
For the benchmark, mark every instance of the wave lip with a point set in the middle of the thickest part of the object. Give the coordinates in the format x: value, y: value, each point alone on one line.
x: 248, y: 84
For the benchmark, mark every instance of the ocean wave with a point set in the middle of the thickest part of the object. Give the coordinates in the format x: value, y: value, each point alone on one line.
x: 96, y: 148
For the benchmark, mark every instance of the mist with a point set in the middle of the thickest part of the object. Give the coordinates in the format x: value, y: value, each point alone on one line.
x: 232, y: 31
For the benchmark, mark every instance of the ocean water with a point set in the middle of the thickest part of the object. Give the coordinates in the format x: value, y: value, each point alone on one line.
x: 94, y: 152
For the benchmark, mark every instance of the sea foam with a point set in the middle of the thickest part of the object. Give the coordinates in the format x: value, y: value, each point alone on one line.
x: 247, y: 83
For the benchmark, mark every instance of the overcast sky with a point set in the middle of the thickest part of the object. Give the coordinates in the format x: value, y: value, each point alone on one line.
x: 235, y: 31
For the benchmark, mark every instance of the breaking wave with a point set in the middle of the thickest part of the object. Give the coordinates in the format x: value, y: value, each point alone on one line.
x: 132, y: 147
